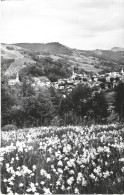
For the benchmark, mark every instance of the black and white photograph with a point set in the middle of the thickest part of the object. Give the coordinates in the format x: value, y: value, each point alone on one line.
x: 62, y: 97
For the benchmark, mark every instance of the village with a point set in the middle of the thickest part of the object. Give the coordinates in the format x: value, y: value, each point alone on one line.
x: 105, y: 81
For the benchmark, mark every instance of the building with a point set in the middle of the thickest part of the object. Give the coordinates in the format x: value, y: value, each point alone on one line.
x: 14, y: 81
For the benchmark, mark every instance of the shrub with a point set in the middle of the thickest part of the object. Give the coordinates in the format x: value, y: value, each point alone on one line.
x: 10, y: 48
x: 9, y: 128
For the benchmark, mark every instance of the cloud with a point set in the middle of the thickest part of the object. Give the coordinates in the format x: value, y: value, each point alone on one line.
x: 72, y: 22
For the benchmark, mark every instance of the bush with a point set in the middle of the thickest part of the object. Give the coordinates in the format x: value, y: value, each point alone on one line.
x: 9, y: 128
x: 10, y: 48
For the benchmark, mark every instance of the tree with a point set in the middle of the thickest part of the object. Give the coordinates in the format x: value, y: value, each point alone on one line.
x: 119, y: 101
x: 26, y: 88
x: 7, y: 101
x: 75, y: 106
x: 99, y: 107
x: 38, y: 110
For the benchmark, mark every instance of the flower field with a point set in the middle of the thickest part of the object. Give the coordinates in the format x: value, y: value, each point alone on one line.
x: 64, y: 160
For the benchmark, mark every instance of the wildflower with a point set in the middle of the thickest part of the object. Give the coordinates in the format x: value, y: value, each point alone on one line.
x: 33, y: 188
x: 58, y: 183
x: 76, y: 191
x: 70, y: 181
x: 8, y: 189
x: 34, y: 167
x: 48, y: 159
x: 18, y: 173
x: 52, y: 166
x: 11, y: 183
x: 60, y: 170
x: 121, y: 159
x: 48, y: 176
x: 54, y: 170
x: 21, y: 185
x: 7, y: 165
x: 1, y: 159
x: 84, y: 182
x: 28, y: 190
x: 42, y: 182
x: 122, y: 169
x: 42, y: 172
x: 92, y: 176
x: 63, y: 187
x: 46, y: 190
x: 17, y: 158
x: 79, y: 177
x: 71, y: 171
x: 60, y: 163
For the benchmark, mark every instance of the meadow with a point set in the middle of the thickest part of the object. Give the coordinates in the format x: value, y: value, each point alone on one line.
x: 63, y: 160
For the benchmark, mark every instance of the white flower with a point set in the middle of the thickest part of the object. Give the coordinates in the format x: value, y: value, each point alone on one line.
x: 11, y: 183
x: 60, y: 170
x: 84, y: 182
x: 48, y: 159
x: 52, y: 166
x: 76, y: 191
x: 54, y: 170
x: 33, y: 188
x: 17, y: 158
x: 1, y: 159
x: 34, y: 167
x: 63, y: 187
x: 46, y: 191
x: 7, y: 165
x: 122, y: 169
x: 42, y: 182
x: 5, y: 180
x: 21, y: 185
x: 121, y: 159
x: 18, y: 173
x: 8, y: 189
x: 58, y: 183
x: 48, y: 176
x: 28, y: 190
x: 43, y: 172
x: 70, y: 181
x: 71, y: 171
x: 60, y: 163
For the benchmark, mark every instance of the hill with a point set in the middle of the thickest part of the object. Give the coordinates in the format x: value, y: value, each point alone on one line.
x: 57, y: 59
x: 117, y: 49
x: 53, y: 47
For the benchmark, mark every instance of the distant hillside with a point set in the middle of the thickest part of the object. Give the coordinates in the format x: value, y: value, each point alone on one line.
x: 57, y: 60
x: 117, y: 49
x: 53, y: 47
x: 107, y: 55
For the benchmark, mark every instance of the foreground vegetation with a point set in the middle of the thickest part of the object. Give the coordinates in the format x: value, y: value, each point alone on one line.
x: 63, y: 160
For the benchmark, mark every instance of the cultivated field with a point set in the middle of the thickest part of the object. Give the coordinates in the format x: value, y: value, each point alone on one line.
x: 63, y: 160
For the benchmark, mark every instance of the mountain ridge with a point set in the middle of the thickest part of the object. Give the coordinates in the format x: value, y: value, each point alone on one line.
x: 52, y: 47
x: 32, y: 53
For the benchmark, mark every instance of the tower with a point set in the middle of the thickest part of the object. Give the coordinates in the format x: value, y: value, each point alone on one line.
x: 17, y: 78
x: 122, y: 72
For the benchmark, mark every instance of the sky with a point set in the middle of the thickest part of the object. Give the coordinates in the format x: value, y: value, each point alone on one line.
x: 80, y: 24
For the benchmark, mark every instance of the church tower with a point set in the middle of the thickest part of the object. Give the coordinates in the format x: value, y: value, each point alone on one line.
x: 17, y: 78
x: 122, y: 72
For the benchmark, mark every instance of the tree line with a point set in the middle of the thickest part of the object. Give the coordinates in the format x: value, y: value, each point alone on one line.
x: 23, y: 107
